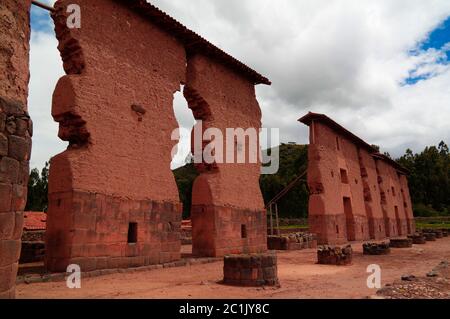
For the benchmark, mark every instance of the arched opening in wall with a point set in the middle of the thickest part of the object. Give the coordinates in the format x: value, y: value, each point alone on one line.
x: 183, y: 166
x: 45, y: 70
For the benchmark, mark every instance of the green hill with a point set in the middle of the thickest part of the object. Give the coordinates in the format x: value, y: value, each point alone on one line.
x: 293, y: 160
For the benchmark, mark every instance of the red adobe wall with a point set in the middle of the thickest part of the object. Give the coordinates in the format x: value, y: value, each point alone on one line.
x: 372, y: 197
x: 407, y: 203
x: 228, y: 215
x: 15, y: 135
x: 398, y: 218
x: 355, y: 193
x: 115, y: 107
x: 327, y: 189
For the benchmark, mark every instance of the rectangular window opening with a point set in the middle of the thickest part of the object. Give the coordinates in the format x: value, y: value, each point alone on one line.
x: 132, y: 233
x: 344, y: 176
x: 243, y: 231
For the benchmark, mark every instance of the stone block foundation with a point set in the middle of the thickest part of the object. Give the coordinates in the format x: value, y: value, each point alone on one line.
x: 418, y: 239
x: 251, y: 270
x: 401, y: 243
x: 108, y: 232
x: 375, y: 249
x: 296, y: 241
x: 339, y: 256
x: 218, y: 231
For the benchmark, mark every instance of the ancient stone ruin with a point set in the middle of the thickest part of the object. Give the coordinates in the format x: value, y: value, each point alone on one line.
x: 376, y: 249
x: 113, y: 200
x: 296, y: 241
x: 418, y: 239
x: 356, y: 194
x: 15, y: 135
x: 251, y: 270
x: 401, y: 243
x: 334, y: 255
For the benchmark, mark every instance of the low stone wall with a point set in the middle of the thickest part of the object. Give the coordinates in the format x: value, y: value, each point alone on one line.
x: 401, y: 243
x: 251, y: 270
x: 297, y: 241
x: 376, y: 249
x: 340, y: 256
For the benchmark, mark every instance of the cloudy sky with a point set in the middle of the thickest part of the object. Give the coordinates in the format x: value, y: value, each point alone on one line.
x: 381, y: 67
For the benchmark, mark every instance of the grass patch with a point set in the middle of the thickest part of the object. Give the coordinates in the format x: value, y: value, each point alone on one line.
x: 294, y: 227
x: 442, y: 225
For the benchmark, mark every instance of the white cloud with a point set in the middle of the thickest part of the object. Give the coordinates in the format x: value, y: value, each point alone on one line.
x: 348, y: 59
x: 45, y: 69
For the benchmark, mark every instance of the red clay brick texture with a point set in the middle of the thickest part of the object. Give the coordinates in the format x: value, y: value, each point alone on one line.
x: 228, y: 210
x: 15, y: 135
x: 115, y: 108
x: 355, y: 194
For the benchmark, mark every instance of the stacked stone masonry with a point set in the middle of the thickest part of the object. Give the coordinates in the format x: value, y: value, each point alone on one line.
x: 376, y: 249
x: 297, y: 241
x: 401, y: 243
x: 251, y: 270
x: 15, y: 135
x: 335, y: 255
x: 356, y: 194
x: 418, y: 239
x: 228, y: 215
x: 113, y: 200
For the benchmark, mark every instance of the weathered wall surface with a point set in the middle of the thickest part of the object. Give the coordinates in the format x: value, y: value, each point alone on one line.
x: 355, y: 194
x: 228, y: 210
x: 372, y: 198
x: 114, y: 107
x: 334, y: 174
x: 15, y: 135
x: 407, y: 203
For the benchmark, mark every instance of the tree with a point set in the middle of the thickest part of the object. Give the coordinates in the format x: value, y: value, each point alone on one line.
x: 429, y: 179
x: 37, y: 198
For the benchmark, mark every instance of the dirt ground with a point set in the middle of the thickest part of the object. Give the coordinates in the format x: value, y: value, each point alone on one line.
x: 299, y: 276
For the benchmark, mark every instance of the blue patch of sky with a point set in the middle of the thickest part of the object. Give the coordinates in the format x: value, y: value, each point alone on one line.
x: 437, y: 40
x: 41, y: 21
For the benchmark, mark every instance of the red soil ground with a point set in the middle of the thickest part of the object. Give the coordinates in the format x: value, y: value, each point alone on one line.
x: 299, y: 276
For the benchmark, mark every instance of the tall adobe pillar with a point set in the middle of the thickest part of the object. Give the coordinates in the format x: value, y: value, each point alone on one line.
x: 228, y: 215
x: 15, y: 135
x: 113, y: 200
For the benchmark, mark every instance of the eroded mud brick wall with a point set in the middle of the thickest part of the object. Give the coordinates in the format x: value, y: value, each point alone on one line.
x: 355, y: 193
x: 15, y: 135
x: 228, y: 214
x: 113, y: 200
x: 395, y: 200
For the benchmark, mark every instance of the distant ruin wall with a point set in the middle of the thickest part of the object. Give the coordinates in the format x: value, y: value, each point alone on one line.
x: 354, y: 195
x: 113, y: 200
x: 15, y: 135
x: 228, y: 215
